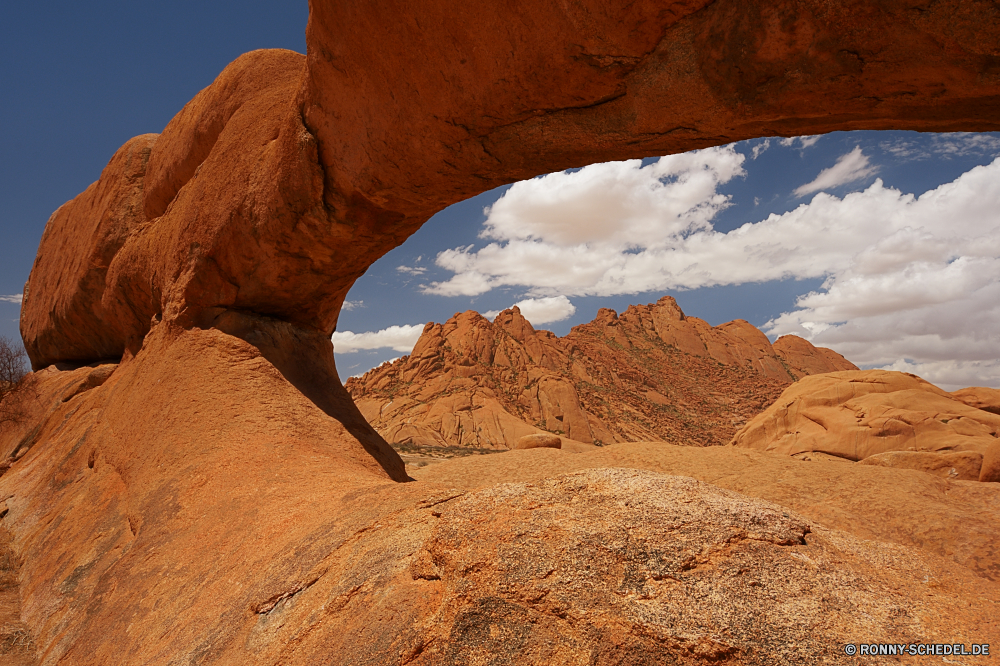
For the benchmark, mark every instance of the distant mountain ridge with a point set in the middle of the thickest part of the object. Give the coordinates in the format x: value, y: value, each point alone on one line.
x: 649, y: 374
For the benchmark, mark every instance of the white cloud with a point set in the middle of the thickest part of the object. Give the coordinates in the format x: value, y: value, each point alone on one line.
x: 397, y: 338
x: 921, y: 292
x: 572, y: 233
x: 412, y: 270
x: 760, y: 148
x: 850, y: 168
x: 789, y: 142
x: 803, y: 141
x: 541, y: 310
x: 13, y: 298
x: 952, y: 375
x: 352, y: 305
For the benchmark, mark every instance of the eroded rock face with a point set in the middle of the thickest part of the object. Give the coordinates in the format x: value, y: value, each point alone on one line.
x: 651, y: 373
x: 859, y: 414
x: 990, y: 470
x: 961, y: 465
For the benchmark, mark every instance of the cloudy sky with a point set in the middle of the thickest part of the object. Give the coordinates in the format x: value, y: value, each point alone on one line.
x: 882, y: 245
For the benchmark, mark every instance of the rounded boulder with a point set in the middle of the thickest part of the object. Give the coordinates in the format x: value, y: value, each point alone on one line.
x: 539, y: 441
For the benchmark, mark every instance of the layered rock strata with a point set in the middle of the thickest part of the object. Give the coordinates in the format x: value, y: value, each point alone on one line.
x: 651, y: 373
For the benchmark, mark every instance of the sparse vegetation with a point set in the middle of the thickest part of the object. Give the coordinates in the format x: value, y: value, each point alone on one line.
x: 14, y: 381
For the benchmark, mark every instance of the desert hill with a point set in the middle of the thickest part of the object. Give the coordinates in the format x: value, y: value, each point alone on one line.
x: 649, y: 374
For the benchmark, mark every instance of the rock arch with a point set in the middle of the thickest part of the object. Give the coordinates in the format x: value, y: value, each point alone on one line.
x: 276, y: 187
x: 216, y: 497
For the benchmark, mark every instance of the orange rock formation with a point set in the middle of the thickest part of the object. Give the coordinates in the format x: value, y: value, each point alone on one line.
x: 858, y: 415
x: 219, y: 498
x: 651, y: 373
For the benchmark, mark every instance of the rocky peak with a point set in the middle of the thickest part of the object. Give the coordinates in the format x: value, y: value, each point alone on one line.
x: 514, y: 323
x: 651, y: 373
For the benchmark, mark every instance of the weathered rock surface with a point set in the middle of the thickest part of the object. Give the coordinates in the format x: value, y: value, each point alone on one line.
x: 651, y: 373
x: 859, y: 414
x: 980, y: 397
x: 17, y: 647
x: 963, y: 466
x: 956, y: 520
x: 990, y: 470
x: 219, y: 499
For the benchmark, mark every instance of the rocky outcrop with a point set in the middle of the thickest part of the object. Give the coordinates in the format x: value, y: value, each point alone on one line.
x: 219, y: 499
x: 961, y: 465
x: 651, y: 373
x: 856, y: 415
x: 990, y: 470
x: 944, y: 517
x: 980, y: 397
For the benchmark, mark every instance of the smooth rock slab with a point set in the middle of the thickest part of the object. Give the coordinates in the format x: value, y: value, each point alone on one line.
x: 963, y: 466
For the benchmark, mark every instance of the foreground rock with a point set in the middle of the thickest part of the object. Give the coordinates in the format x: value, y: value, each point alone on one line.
x: 601, y: 565
x: 855, y: 415
x: 956, y: 520
x: 539, y: 441
x: 651, y: 373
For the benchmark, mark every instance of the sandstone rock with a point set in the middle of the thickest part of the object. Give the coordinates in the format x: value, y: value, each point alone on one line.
x: 990, y: 471
x: 16, y: 645
x: 539, y: 441
x: 651, y: 373
x: 964, y: 466
x: 65, y: 316
x: 802, y: 358
x: 980, y: 397
x: 859, y: 414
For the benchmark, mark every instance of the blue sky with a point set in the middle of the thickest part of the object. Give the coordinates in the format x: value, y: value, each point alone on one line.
x: 895, y: 281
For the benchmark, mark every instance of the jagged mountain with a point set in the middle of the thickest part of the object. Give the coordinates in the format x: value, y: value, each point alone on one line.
x: 650, y: 374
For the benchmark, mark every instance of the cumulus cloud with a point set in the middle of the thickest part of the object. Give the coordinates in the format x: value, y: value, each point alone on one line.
x: 921, y: 291
x: 850, y: 168
x: 12, y: 298
x: 412, y: 270
x: 352, y: 305
x: 571, y: 233
x: 397, y: 338
x: 541, y: 310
